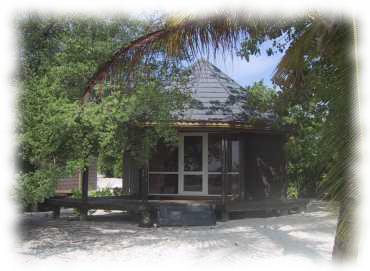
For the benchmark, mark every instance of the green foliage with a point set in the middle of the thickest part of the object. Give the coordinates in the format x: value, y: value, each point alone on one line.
x: 305, y: 165
x: 292, y: 192
x: 257, y: 104
x: 134, y: 123
x: 35, y: 186
x: 55, y: 132
x: 76, y: 193
x: 105, y: 192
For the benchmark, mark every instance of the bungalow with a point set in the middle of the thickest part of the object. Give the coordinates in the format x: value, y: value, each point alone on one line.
x: 220, y: 165
x: 217, y: 156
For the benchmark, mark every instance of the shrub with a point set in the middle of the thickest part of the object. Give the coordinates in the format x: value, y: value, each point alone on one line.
x: 292, y: 191
x: 35, y: 187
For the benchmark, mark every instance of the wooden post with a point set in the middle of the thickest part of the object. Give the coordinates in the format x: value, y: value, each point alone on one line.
x: 84, y: 191
x: 144, y: 183
x: 224, y: 214
x: 123, y: 191
x: 242, y: 168
x: 56, y: 212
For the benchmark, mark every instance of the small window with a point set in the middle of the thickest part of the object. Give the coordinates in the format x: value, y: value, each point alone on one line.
x: 163, y: 170
x: 214, y: 154
x: 165, y: 158
x: 234, y: 155
x: 232, y: 164
x: 193, y: 153
x: 215, y: 184
x: 193, y: 183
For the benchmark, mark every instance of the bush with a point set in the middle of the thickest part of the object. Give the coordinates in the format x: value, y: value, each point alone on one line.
x: 292, y: 191
x: 76, y: 193
x: 105, y: 192
x: 35, y: 187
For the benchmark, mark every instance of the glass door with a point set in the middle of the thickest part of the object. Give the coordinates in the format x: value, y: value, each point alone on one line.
x: 193, y: 164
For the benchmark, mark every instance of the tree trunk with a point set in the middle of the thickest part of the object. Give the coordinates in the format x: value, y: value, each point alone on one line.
x: 345, y: 247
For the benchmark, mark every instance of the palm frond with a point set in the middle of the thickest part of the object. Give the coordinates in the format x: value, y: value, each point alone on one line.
x: 185, y: 36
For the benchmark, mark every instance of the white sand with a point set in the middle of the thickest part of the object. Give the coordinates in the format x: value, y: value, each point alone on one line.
x: 308, y: 236
x: 103, y: 183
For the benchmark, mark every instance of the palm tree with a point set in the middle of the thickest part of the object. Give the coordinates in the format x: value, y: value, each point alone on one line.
x: 328, y: 42
x: 315, y: 42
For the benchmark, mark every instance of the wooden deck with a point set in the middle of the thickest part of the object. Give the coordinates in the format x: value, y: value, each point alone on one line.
x: 138, y: 205
x: 120, y: 203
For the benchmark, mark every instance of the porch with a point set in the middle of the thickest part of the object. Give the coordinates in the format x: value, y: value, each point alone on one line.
x: 167, y: 211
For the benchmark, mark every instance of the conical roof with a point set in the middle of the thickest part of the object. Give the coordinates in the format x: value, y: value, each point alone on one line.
x: 208, y: 85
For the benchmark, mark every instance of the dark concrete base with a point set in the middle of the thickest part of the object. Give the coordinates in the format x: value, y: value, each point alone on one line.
x: 186, y: 215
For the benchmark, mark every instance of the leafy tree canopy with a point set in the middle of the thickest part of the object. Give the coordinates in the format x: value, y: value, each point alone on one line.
x: 57, y: 134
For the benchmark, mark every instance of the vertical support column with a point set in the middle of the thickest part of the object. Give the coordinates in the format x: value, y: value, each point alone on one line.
x: 56, y: 212
x: 84, y: 191
x: 146, y: 213
x: 284, y: 171
x: 123, y: 173
x: 223, y: 162
x: 242, y: 167
x: 224, y: 213
x: 144, y: 183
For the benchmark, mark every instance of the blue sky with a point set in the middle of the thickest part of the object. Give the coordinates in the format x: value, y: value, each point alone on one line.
x: 245, y: 73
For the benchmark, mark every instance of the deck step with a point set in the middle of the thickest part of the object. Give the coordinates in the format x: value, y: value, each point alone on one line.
x: 186, y: 215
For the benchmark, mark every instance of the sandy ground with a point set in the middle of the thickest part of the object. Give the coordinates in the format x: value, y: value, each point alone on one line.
x: 308, y: 235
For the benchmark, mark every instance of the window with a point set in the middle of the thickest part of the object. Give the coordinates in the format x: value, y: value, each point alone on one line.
x: 195, y: 167
x: 163, y: 170
x: 214, y: 154
x: 193, y: 153
x: 215, y: 184
x: 165, y: 158
x: 193, y: 183
x: 232, y: 162
x: 193, y: 163
x: 234, y: 155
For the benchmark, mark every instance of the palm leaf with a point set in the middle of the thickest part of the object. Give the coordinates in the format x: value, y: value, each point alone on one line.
x: 185, y: 36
